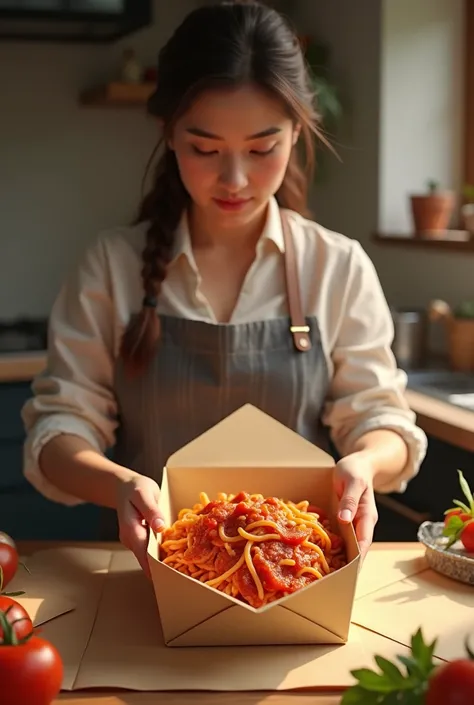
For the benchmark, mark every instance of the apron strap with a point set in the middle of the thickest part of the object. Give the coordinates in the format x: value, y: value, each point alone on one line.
x: 299, y: 327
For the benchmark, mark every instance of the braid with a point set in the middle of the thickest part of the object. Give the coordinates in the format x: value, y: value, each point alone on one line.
x: 163, y: 208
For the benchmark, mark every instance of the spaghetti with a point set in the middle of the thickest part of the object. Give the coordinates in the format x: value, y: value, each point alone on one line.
x: 252, y: 548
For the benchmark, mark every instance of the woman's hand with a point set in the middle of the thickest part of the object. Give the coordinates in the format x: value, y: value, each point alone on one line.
x: 354, y: 487
x: 137, y: 509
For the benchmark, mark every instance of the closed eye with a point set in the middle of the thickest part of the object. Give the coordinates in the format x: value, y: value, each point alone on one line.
x: 263, y: 153
x: 202, y: 152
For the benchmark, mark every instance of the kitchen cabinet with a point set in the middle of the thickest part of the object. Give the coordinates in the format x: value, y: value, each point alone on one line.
x: 24, y: 512
x: 437, y: 484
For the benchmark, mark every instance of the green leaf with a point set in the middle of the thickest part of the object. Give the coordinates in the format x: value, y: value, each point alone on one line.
x: 453, y: 529
x: 370, y: 680
x: 356, y: 695
x: 390, y: 670
x: 466, y: 490
x: 463, y: 506
x: 422, y: 652
x: 453, y: 525
x: 413, y: 668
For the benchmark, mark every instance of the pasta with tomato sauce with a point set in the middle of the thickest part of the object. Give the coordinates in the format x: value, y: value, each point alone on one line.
x: 256, y: 549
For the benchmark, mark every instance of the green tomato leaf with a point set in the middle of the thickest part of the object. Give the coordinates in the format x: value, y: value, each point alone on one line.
x: 463, y: 506
x: 391, y: 671
x: 453, y: 525
x: 466, y: 490
x: 370, y: 680
x: 356, y: 695
x: 413, y: 668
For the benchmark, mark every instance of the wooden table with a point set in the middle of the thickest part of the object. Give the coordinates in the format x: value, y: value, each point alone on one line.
x: 114, y: 697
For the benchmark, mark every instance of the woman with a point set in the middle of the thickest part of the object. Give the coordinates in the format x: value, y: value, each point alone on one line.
x: 168, y: 326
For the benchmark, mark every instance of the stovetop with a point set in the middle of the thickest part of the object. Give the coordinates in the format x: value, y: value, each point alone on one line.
x: 23, y: 334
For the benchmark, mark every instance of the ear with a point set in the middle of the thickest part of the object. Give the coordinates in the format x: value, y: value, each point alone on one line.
x: 170, y: 142
x: 296, y: 133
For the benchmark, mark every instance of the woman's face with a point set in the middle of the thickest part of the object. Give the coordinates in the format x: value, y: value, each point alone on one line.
x: 232, y: 147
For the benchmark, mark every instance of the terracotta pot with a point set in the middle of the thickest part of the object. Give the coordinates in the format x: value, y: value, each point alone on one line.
x: 432, y: 212
x: 461, y: 344
x: 460, y: 336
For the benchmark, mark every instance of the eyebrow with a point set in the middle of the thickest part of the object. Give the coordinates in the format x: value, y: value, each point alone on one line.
x: 197, y: 132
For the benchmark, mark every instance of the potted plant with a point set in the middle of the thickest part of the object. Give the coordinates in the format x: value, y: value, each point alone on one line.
x: 459, y: 323
x: 432, y: 211
x: 327, y: 95
x: 467, y: 209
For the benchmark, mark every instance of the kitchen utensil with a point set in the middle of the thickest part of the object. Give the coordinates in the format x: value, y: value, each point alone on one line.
x: 410, y: 338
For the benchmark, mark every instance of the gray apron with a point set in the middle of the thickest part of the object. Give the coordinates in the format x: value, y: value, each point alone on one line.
x: 202, y: 372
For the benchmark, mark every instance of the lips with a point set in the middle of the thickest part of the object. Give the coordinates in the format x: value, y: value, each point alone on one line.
x: 231, y: 204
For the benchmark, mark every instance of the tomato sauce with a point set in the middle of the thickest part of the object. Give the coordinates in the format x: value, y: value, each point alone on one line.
x: 242, y: 511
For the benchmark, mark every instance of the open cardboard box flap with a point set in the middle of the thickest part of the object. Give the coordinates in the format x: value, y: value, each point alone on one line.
x: 252, y: 452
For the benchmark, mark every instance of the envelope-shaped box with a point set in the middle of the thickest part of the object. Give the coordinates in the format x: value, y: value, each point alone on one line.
x: 252, y: 452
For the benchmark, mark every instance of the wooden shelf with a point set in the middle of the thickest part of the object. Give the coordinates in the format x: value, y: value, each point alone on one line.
x: 116, y: 94
x: 412, y: 242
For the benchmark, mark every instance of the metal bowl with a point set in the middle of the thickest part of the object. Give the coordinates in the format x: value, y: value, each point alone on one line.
x: 453, y: 562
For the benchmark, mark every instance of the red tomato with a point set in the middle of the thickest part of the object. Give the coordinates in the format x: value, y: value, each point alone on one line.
x: 457, y: 512
x: 5, y: 538
x: 467, y: 537
x: 8, y: 563
x: 30, y: 673
x: 15, y: 612
x: 452, y: 684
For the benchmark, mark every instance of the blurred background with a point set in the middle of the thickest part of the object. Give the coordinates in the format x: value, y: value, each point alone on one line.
x: 395, y: 80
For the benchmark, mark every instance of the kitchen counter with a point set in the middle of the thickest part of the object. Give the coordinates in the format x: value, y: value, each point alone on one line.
x: 374, y: 643
x: 439, y: 419
x: 444, y: 421
x: 21, y: 366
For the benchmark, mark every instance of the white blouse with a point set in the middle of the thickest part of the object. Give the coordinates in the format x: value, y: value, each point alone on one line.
x: 339, y: 285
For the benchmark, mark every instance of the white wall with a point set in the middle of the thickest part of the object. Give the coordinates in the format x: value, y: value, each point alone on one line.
x: 421, y: 138
x: 65, y: 171
x: 400, y: 63
x: 421, y: 103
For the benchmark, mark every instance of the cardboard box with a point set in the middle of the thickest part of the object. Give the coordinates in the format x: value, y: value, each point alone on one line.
x: 252, y: 452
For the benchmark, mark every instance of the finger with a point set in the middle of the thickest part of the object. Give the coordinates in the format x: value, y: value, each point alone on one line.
x: 364, y: 530
x: 144, y: 500
x: 350, y: 498
x: 134, y: 536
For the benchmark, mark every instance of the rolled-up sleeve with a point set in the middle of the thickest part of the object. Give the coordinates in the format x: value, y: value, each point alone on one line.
x: 74, y: 394
x: 367, y: 390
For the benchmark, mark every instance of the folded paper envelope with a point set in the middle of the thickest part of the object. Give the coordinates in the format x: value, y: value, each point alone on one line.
x: 250, y: 451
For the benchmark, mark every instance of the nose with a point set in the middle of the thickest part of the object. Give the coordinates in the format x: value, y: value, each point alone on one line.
x: 233, y: 174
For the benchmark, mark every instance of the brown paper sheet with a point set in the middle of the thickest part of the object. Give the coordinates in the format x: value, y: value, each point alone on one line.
x: 442, y: 607
x: 41, y: 600
x: 113, y: 636
x: 127, y: 650
x: 383, y: 568
x: 78, y: 575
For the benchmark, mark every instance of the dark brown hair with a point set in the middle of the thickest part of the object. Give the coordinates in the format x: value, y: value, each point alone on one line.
x: 227, y: 44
